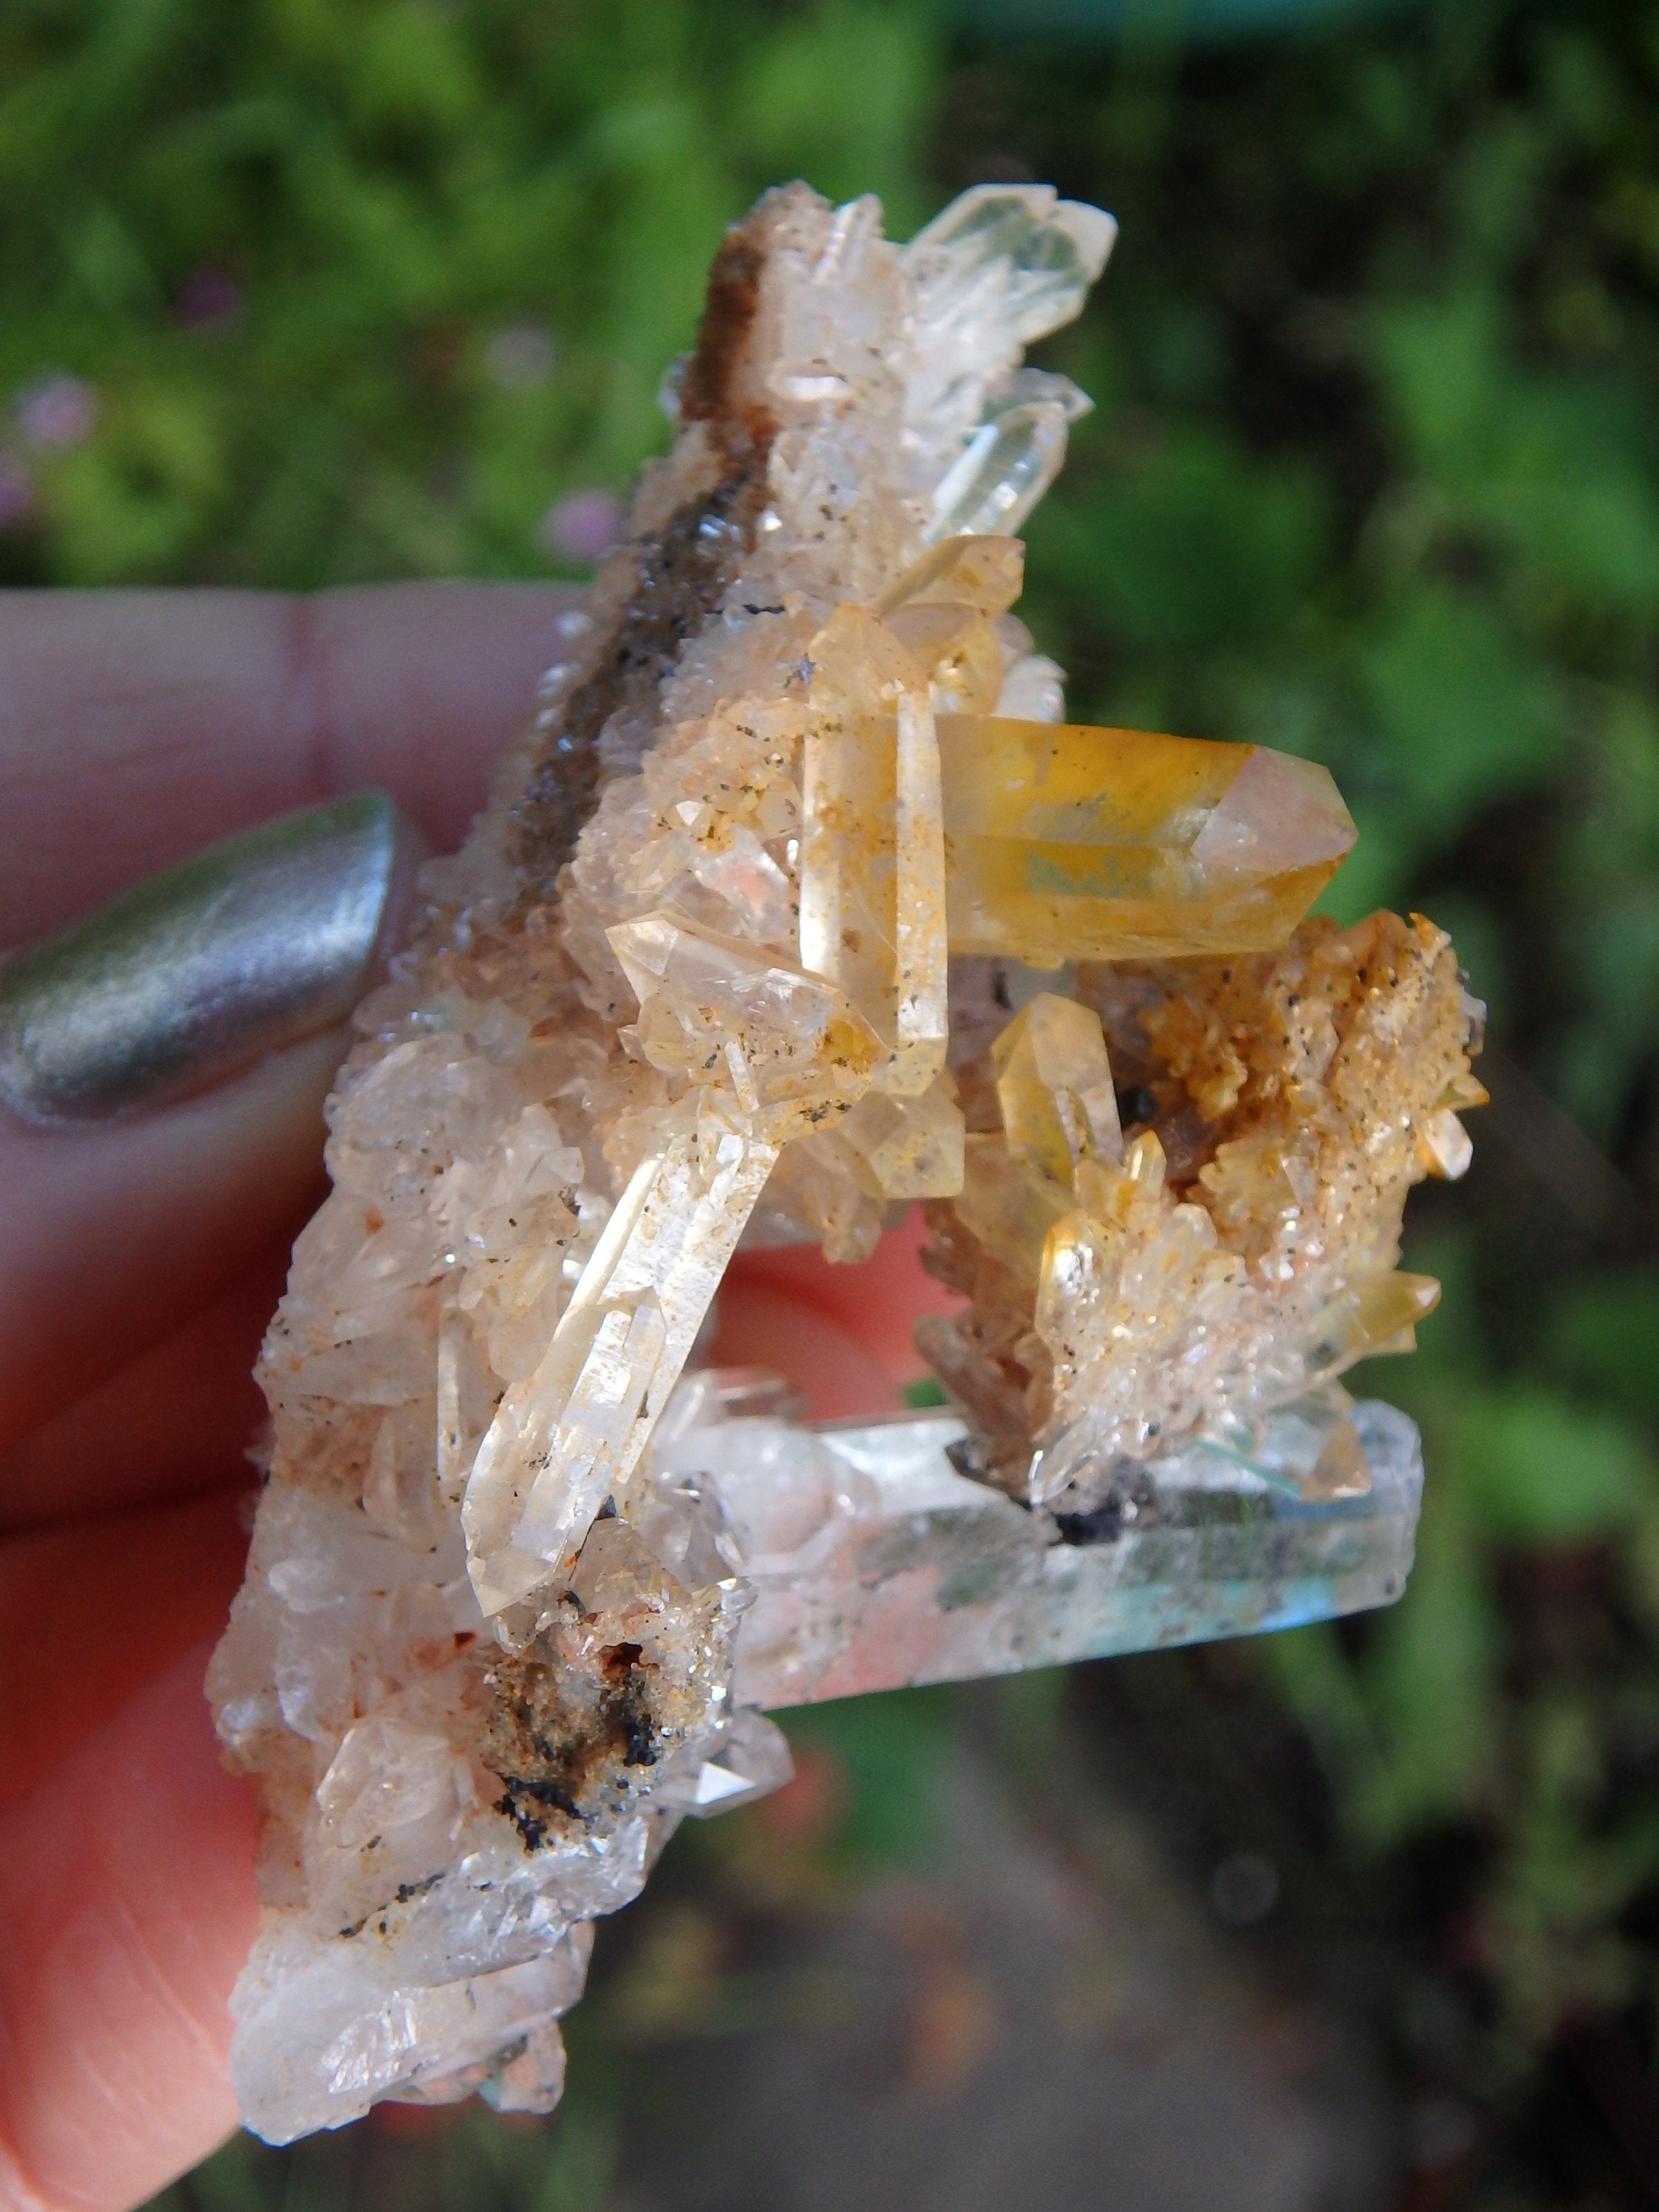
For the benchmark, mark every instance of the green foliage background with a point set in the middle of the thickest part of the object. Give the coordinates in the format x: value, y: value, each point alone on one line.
x: 1374, y: 475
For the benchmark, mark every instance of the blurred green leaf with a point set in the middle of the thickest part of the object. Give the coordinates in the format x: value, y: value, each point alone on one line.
x: 1460, y: 720
x: 1431, y: 1686
x: 1601, y: 1335
x: 840, y: 95
x: 320, y: 213
x: 1533, y: 1467
x: 890, y: 1748
x: 1192, y: 545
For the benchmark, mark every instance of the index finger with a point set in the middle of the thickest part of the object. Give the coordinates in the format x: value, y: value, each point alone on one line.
x: 136, y: 726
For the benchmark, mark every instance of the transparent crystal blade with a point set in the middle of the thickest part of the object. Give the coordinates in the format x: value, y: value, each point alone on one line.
x: 908, y: 1572
x: 1055, y: 1087
x: 1036, y: 254
x: 573, y: 1428
x: 1002, y: 472
x: 873, y: 850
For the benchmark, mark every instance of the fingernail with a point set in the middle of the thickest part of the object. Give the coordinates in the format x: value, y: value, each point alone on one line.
x: 248, y: 947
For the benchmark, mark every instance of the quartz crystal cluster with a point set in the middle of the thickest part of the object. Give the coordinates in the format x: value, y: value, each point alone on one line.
x: 798, y: 901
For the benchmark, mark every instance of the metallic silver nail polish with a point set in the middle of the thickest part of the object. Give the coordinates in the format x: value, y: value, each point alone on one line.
x: 250, y: 945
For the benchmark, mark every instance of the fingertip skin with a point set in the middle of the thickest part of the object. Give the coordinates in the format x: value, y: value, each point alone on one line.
x: 759, y: 1325
x: 124, y: 1444
x: 112, y: 1237
x: 127, y: 1907
x: 149, y: 1584
x: 137, y: 725
x: 845, y: 1334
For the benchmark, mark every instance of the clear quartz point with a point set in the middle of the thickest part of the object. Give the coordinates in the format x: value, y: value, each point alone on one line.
x: 1012, y: 458
x: 1002, y: 471
x: 903, y: 1570
x: 1040, y: 253
x: 747, y: 1758
x: 797, y: 902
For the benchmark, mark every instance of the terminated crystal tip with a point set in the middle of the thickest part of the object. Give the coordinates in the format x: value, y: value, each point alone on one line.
x: 1070, y: 843
x: 799, y: 899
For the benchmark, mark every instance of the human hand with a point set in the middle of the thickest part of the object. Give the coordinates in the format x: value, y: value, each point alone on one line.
x: 141, y: 1253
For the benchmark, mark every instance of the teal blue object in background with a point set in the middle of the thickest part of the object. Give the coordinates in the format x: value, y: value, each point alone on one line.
x: 1174, y: 22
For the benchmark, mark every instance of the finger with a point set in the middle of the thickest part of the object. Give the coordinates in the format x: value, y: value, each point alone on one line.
x: 175, y: 1421
x: 841, y: 1335
x: 757, y: 1326
x: 126, y: 1909
x: 111, y: 1236
x: 137, y: 725
x: 134, y: 1591
x: 845, y: 1336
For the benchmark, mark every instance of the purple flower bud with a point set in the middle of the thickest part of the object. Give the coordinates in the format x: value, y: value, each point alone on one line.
x: 583, y: 525
x: 208, y: 296
x: 57, y: 411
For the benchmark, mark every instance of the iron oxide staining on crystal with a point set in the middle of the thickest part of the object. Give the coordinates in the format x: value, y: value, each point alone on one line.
x: 664, y: 582
x: 615, y: 1683
x: 797, y: 901
x: 1241, y: 1251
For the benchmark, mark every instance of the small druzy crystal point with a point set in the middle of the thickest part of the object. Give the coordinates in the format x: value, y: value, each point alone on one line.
x: 799, y: 899
x: 1055, y: 1087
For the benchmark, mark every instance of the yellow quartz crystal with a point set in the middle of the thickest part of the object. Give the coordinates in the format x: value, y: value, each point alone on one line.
x: 957, y: 648
x: 1009, y: 1205
x: 907, y: 1148
x: 1065, y: 842
x: 1239, y: 1253
x: 1375, y: 1312
x: 1054, y: 1085
x: 792, y: 1046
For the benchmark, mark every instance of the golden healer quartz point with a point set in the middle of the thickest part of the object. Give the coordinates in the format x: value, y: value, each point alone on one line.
x: 741, y: 947
x: 1066, y: 842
